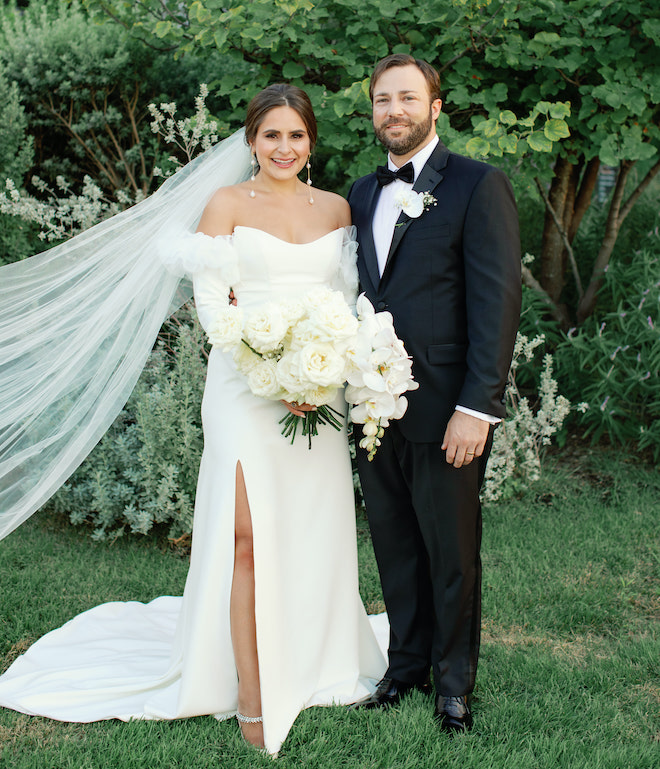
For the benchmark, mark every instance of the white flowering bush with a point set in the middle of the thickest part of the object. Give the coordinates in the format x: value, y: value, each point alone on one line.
x: 518, y: 443
x: 61, y: 213
x: 191, y: 135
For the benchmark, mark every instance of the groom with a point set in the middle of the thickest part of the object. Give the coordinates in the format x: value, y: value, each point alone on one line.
x: 450, y: 276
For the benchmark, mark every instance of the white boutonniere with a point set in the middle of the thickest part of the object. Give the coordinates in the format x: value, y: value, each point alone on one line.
x: 414, y: 204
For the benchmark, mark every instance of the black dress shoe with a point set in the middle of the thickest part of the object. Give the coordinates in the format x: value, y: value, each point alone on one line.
x: 389, y: 691
x: 453, y: 713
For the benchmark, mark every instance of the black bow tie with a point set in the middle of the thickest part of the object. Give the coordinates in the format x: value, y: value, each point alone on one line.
x: 405, y: 173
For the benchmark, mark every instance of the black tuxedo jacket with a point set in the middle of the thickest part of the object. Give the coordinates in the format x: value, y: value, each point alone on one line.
x: 452, y: 284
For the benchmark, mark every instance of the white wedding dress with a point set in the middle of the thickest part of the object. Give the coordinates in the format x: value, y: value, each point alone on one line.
x: 173, y: 657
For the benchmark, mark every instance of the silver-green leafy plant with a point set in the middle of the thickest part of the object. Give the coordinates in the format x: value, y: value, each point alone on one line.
x: 520, y: 440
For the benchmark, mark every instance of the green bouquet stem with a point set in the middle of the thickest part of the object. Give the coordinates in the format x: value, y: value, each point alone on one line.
x: 323, y: 415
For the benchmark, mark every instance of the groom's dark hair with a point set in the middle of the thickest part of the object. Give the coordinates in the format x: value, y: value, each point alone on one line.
x: 404, y: 60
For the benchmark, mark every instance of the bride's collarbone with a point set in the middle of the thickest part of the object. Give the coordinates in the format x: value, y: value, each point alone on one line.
x: 290, y: 219
x: 290, y: 229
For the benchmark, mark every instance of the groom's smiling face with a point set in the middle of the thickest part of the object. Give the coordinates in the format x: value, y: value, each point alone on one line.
x: 403, y: 114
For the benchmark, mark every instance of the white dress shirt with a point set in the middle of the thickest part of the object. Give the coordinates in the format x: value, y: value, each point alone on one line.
x: 385, y: 217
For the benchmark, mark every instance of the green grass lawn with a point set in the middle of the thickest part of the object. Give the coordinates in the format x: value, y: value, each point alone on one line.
x: 570, y: 664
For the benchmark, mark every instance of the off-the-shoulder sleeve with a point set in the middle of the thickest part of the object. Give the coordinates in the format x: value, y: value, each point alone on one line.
x: 185, y: 253
x: 346, y: 279
x: 213, y: 264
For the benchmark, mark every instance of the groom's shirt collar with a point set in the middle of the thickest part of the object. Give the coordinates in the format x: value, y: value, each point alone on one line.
x: 386, y: 213
x: 418, y: 160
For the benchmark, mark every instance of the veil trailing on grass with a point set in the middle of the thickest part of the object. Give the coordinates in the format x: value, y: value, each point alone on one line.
x: 77, y: 324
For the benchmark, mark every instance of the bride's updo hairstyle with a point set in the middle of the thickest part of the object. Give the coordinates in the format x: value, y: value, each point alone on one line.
x: 280, y: 95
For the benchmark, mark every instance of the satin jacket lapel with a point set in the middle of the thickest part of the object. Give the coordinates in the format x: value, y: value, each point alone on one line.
x: 428, y: 179
x: 367, y: 245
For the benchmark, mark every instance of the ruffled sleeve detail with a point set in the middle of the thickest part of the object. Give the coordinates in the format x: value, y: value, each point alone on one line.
x: 188, y: 253
x: 346, y: 279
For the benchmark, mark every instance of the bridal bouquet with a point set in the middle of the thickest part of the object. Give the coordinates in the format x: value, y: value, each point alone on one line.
x: 292, y: 350
x: 305, y: 350
x: 379, y: 372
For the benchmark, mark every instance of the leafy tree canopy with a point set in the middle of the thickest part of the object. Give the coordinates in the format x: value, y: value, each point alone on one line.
x: 552, y: 89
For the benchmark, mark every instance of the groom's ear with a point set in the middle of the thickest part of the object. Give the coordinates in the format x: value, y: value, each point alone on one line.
x: 436, y: 108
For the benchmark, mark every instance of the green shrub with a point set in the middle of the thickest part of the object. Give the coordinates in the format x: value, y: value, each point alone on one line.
x: 144, y: 470
x: 613, y: 361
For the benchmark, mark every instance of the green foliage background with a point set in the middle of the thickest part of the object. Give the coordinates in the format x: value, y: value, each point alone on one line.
x: 534, y: 87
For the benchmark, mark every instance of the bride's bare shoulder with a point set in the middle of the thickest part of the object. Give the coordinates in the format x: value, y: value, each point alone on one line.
x: 335, y: 204
x: 221, y: 211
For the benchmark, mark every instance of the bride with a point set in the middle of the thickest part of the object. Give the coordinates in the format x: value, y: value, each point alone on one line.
x: 271, y: 621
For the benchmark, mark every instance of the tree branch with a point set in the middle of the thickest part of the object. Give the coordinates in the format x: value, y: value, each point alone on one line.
x: 471, y: 47
x: 584, y: 196
x: 576, y: 83
x: 530, y: 281
x: 637, y: 192
x: 131, y: 105
x: 68, y: 124
x: 612, y: 226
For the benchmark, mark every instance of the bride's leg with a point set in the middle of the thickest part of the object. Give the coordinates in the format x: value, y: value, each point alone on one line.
x: 243, y: 624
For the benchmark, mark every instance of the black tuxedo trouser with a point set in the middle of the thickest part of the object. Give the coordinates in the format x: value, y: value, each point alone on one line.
x: 425, y: 521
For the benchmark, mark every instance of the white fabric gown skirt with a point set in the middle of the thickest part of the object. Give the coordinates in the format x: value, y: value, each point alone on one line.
x: 173, y: 658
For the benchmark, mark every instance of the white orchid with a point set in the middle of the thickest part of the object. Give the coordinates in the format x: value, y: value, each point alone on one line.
x: 379, y: 371
x: 412, y: 203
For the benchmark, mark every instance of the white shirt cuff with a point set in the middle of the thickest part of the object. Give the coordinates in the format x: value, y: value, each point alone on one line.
x: 479, y: 415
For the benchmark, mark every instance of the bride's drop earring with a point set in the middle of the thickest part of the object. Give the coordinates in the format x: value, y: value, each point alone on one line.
x: 309, y: 180
x: 253, y: 163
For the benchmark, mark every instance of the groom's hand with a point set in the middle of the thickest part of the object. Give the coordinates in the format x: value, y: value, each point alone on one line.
x: 465, y: 438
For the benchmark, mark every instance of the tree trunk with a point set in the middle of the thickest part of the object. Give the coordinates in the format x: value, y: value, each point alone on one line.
x: 553, y: 255
x: 584, y: 197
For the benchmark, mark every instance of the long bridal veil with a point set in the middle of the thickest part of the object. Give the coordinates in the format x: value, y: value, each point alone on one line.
x: 77, y: 324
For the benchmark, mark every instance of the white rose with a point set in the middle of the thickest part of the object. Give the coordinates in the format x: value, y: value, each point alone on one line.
x: 244, y: 358
x: 321, y: 365
x: 293, y: 311
x: 262, y: 380
x: 305, y: 332
x: 319, y: 396
x: 318, y: 297
x: 289, y: 378
x: 226, y: 328
x: 335, y: 321
x: 265, y: 328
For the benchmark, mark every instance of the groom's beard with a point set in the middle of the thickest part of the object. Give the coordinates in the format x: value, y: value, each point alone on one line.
x: 404, y: 144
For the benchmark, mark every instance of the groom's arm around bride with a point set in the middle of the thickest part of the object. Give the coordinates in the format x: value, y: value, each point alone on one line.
x: 449, y: 272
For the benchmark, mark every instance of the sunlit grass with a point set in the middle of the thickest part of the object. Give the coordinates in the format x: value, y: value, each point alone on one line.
x: 570, y: 664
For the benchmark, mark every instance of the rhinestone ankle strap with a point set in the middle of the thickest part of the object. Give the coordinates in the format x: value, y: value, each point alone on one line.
x: 249, y: 719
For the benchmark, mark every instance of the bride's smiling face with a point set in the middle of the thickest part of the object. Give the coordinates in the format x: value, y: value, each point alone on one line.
x: 282, y: 144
